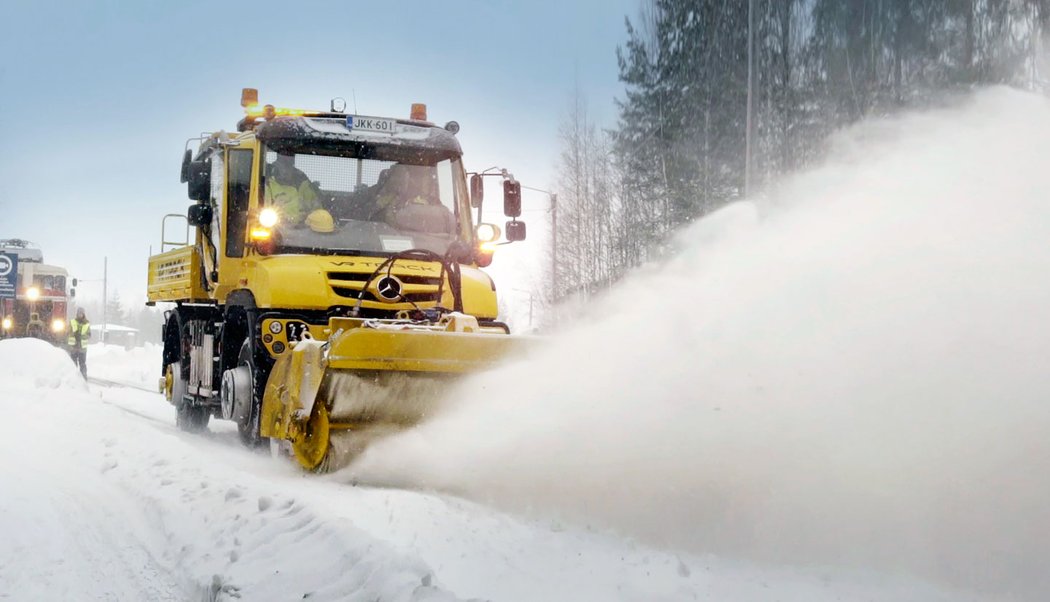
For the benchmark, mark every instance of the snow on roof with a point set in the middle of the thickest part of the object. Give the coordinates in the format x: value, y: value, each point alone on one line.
x: 407, y: 140
x: 119, y: 328
x: 22, y: 249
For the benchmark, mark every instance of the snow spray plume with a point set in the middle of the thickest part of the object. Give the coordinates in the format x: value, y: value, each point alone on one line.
x: 854, y: 372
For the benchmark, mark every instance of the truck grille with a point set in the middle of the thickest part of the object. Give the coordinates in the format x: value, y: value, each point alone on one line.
x: 419, y: 289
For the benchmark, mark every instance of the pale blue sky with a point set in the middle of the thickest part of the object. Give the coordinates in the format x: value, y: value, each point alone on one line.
x: 98, y: 98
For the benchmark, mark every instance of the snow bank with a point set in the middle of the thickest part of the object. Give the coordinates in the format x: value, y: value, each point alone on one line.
x: 35, y: 364
x: 851, y: 373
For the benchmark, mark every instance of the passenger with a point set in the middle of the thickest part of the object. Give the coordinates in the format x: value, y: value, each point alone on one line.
x: 79, y: 333
x: 290, y: 191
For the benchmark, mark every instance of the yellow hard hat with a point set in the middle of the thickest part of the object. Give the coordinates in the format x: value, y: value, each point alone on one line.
x: 320, y: 220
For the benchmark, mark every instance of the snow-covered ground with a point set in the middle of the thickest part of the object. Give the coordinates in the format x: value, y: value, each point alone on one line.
x: 137, y: 366
x: 103, y: 499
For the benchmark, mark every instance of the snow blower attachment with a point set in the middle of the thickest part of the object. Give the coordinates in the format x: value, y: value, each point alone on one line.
x: 369, y: 379
x: 329, y: 290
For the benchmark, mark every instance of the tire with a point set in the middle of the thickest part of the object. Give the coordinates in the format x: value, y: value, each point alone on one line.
x: 248, y: 426
x: 189, y: 418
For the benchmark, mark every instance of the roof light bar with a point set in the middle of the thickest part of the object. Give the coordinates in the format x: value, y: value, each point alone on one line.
x: 269, y: 112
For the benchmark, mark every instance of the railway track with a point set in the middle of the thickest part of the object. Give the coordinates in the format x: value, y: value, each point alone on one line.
x: 221, y: 434
x: 102, y: 382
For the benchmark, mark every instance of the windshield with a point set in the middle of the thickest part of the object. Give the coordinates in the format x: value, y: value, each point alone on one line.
x: 337, y: 204
x: 51, y: 286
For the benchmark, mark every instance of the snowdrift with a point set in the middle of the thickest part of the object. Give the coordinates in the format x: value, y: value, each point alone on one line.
x: 35, y: 364
x: 138, y: 366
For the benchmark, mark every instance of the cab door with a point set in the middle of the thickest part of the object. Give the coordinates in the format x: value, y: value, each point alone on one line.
x: 236, y: 190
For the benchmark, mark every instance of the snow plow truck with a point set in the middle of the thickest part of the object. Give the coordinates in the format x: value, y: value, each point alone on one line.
x: 327, y: 283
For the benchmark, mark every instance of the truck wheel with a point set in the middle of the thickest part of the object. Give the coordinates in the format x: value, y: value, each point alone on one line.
x: 189, y: 418
x: 248, y: 425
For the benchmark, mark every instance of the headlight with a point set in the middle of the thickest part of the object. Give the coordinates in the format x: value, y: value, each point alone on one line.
x: 268, y: 217
x: 32, y: 293
x: 275, y: 327
x: 7, y: 323
x: 488, y: 232
x: 58, y: 325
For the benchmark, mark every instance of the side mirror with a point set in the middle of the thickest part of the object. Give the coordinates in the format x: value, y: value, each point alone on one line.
x: 477, y: 191
x: 199, y: 216
x: 511, y: 198
x: 184, y: 175
x: 199, y: 173
x: 74, y: 282
x: 72, y: 293
x: 515, y: 231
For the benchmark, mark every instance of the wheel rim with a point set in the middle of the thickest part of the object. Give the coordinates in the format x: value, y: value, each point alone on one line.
x: 311, y: 446
x: 168, y: 382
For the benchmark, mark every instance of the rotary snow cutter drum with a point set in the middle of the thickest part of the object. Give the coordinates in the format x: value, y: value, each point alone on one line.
x: 372, y: 378
x: 354, y: 408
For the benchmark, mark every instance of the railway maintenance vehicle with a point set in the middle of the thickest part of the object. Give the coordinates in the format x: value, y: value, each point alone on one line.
x: 37, y: 304
x: 328, y: 288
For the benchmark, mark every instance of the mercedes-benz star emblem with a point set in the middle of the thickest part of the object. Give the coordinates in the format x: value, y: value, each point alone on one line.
x: 389, y: 288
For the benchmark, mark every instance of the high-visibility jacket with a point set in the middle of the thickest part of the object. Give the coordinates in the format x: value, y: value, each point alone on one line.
x: 293, y: 203
x: 79, y: 333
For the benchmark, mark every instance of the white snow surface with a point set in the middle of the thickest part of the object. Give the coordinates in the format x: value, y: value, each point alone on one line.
x: 137, y: 366
x: 103, y: 499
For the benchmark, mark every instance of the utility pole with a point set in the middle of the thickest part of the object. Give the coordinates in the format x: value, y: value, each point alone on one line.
x: 750, y: 87
x: 532, y: 300
x: 105, y: 289
x: 554, y: 236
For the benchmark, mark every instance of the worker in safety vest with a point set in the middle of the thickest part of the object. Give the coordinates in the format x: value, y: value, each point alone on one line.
x: 79, y: 333
x: 35, y: 327
x: 290, y: 192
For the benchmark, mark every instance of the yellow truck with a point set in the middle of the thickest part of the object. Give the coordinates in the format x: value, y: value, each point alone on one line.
x: 330, y: 286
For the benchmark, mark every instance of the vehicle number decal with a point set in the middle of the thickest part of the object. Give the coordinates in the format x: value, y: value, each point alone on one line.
x: 295, y: 331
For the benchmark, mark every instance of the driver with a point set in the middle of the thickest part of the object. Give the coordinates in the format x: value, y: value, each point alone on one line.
x: 407, y: 198
x: 400, y: 186
x: 290, y: 191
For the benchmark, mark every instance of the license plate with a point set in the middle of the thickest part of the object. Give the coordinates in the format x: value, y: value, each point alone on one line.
x: 369, y: 124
